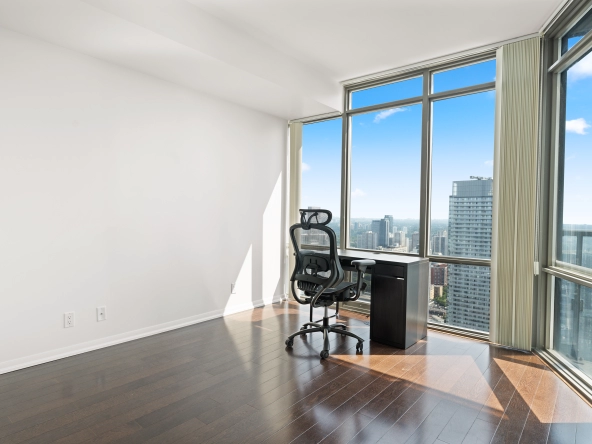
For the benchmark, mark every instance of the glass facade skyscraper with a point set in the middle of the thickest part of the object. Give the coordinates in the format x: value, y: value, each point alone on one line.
x: 469, y: 236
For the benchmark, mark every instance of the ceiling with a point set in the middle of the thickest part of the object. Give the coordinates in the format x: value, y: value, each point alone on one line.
x: 282, y: 57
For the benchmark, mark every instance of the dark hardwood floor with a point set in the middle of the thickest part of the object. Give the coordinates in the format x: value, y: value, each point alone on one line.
x: 232, y: 380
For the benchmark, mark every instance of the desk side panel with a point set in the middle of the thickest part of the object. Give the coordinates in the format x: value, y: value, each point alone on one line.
x: 417, y: 302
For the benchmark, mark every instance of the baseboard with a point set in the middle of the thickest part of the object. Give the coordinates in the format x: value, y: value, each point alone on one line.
x: 61, y: 353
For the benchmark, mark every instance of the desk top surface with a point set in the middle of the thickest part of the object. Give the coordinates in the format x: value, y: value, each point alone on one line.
x: 380, y: 257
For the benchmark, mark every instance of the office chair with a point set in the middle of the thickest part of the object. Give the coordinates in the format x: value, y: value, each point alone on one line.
x: 320, y: 276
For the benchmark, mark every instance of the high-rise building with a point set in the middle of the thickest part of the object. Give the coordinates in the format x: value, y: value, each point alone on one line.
x: 415, y: 241
x: 381, y: 228
x: 440, y: 243
x: 469, y: 235
x: 439, y: 274
x: 391, y: 221
x: 383, y: 233
x: 375, y: 226
x: 399, y: 239
x: 368, y: 240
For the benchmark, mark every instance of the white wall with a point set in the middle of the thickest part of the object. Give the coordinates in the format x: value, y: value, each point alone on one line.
x: 123, y: 190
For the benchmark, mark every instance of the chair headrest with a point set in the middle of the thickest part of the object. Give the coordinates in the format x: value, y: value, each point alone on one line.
x: 314, y: 216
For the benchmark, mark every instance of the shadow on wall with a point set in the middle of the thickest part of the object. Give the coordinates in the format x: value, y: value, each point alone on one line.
x: 251, y: 290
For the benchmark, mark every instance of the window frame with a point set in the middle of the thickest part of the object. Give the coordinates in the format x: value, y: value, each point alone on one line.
x: 551, y: 169
x: 426, y: 99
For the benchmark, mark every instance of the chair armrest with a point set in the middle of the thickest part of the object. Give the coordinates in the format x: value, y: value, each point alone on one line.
x: 362, y: 264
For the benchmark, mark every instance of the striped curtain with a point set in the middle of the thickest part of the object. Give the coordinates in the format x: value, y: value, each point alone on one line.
x: 512, y: 265
x: 295, y: 184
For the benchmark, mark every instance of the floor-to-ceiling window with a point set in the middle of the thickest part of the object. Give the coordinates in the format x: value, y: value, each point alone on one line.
x: 414, y: 175
x: 462, y: 140
x: 421, y: 180
x: 570, y: 204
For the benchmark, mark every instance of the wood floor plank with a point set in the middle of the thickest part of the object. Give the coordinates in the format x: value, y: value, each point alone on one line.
x: 417, y: 397
x: 379, y: 381
x: 232, y: 380
x: 497, y: 403
x: 541, y: 411
x: 480, y: 432
x: 514, y: 418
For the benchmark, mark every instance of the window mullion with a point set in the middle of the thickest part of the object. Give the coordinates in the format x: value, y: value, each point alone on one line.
x: 426, y: 163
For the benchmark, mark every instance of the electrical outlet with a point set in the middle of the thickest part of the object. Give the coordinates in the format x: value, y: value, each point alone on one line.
x: 101, y: 313
x: 232, y: 288
x: 69, y: 319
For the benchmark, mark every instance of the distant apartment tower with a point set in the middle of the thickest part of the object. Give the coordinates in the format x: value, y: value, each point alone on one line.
x: 400, y: 239
x: 415, y: 241
x: 368, y: 240
x: 439, y: 274
x: 469, y: 235
x: 381, y: 228
x: 391, y: 221
x: 440, y: 243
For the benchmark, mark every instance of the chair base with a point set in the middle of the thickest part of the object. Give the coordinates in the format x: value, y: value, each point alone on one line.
x: 325, y: 328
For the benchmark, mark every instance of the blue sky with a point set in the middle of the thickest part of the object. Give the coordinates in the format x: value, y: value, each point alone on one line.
x: 578, y: 144
x: 321, y: 165
x: 386, y: 147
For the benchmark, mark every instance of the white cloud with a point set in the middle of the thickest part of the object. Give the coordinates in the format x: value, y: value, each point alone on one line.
x: 489, y: 163
x: 577, y: 126
x: 582, y: 69
x: 357, y: 193
x: 305, y: 167
x: 386, y: 113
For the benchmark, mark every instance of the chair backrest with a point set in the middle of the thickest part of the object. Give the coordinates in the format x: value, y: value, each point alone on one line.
x: 313, y: 269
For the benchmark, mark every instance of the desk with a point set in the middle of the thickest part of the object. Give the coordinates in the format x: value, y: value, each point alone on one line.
x: 399, y: 296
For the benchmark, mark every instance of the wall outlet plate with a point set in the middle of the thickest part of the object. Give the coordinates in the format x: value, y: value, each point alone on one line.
x: 69, y: 319
x: 101, y: 313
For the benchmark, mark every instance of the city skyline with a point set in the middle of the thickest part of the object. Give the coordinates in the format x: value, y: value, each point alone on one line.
x: 462, y: 145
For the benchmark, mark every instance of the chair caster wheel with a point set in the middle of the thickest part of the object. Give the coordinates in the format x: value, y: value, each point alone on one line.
x: 324, y: 354
x: 359, y: 347
x: 289, y: 342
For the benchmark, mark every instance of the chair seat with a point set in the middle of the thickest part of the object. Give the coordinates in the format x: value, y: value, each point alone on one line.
x: 339, y: 293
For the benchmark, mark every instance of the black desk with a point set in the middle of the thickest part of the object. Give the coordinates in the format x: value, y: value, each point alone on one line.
x: 399, y: 296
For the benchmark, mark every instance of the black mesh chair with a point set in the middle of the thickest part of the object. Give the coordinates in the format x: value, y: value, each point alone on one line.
x: 318, y: 274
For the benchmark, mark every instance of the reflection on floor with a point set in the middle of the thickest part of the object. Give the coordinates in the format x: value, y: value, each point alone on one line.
x: 232, y: 380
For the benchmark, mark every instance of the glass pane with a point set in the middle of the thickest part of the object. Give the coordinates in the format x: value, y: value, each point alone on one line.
x: 404, y: 89
x: 470, y: 75
x: 572, y: 335
x: 438, y: 303
x: 385, y: 179
x: 321, y: 173
x: 462, y: 171
x: 575, y: 188
x: 459, y: 295
x: 576, y: 33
